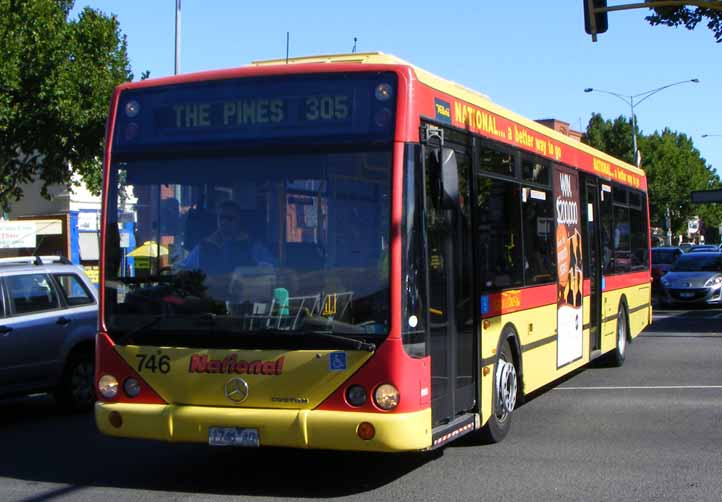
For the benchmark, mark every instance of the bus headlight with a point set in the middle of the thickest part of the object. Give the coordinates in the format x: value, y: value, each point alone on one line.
x: 131, y: 387
x: 108, y: 386
x: 356, y: 395
x: 386, y: 396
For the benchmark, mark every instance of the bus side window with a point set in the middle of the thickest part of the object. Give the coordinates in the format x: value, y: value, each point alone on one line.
x: 539, y: 245
x: 499, y: 215
x: 607, y: 238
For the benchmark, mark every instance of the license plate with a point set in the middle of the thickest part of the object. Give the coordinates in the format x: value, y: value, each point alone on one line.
x: 233, y: 436
x: 686, y: 295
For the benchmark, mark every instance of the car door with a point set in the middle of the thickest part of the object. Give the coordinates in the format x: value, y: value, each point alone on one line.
x: 33, y: 331
x: 5, y: 331
x: 81, y: 307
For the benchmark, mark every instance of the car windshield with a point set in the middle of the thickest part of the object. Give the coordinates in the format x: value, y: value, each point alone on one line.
x: 664, y: 256
x: 698, y: 262
x: 289, y: 242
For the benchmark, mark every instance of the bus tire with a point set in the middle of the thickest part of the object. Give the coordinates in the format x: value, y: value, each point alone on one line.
x: 506, y: 390
x: 75, y: 392
x: 617, y: 356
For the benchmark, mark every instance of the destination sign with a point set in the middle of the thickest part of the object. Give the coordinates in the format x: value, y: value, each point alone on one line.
x: 322, y: 106
x: 256, y: 111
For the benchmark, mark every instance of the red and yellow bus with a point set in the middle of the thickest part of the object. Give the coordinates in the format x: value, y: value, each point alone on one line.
x: 348, y: 252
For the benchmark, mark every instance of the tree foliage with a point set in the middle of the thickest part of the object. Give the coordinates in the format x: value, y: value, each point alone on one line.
x: 613, y: 137
x: 689, y: 17
x: 674, y: 168
x: 56, y: 78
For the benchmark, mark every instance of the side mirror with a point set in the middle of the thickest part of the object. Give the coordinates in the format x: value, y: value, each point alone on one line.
x: 449, y: 179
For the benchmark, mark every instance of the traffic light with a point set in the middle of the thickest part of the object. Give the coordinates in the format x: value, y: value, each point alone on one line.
x: 600, y: 18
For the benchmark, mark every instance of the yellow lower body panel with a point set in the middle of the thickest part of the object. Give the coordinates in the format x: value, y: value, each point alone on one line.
x: 318, y: 429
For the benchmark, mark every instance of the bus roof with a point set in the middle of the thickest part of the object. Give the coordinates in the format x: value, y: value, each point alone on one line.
x: 371, y: 58
x: 453, y: 89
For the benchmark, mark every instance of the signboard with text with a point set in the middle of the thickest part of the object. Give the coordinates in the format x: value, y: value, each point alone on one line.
x: 706, y: 196
x: 327, y: 106
x: 17, y: 234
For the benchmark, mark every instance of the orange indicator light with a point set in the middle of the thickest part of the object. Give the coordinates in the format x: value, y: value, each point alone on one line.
x: 115, y: 419
x: 366, y: 431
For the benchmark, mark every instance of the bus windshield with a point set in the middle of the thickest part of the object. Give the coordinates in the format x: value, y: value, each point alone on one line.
x: 240, y: 246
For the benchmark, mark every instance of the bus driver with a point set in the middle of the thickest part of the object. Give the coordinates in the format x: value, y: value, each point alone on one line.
x: 228, y: 247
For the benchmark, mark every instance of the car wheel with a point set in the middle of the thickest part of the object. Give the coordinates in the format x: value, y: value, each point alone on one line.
x: 506, y: 387
x: 76, y: 390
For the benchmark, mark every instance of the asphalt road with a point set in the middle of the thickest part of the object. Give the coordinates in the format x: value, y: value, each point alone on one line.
x: 651, y: 430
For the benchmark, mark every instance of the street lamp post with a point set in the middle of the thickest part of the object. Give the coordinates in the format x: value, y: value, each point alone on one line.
x: 177, y: 37
x: 710, y: 135
x: 633, y: 100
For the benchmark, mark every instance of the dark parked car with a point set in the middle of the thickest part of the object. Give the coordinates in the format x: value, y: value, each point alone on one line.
x: 662, y: 260
x: 685, y: 246
x: 703, y: 248
x: 695, y: 278
x: 48, y: 317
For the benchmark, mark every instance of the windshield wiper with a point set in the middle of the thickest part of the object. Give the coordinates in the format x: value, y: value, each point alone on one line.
x: 208, y: 318
x: 144, y: 280
x: 327, y: 335
x: 347, y: 341
x: 328, y: 329
x: 127, y: 337
x: 320, y: 328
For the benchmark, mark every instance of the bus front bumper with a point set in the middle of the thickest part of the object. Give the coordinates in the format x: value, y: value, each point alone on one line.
x: 318, y: 429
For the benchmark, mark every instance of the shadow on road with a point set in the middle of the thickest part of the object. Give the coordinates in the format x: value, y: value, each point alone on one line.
x: 42, y: 445
x: 686, y: 323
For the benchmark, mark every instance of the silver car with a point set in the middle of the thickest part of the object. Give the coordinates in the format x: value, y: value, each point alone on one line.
x: 695, y: 278
x: 48, y: 317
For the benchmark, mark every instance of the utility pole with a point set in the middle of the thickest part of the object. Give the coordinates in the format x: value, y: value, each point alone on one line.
x: 177, y: 36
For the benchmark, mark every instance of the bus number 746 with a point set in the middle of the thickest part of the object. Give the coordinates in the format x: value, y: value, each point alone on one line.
x: 152, y: 363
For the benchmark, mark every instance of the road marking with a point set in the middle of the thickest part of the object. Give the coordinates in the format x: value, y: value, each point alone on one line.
x: 644, y: 387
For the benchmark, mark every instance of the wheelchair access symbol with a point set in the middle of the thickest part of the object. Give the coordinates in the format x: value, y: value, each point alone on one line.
x: 337, y: 361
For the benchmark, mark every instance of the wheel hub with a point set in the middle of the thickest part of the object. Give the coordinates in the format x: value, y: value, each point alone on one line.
x: 506, y: 387
x: 82, y: 382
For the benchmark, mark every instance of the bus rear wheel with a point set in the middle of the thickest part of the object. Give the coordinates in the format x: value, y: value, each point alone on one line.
x: 506, y: 387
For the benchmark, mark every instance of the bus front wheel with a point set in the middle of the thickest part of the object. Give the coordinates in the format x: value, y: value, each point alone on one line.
x: 617, y: 356
x: 506, y: 384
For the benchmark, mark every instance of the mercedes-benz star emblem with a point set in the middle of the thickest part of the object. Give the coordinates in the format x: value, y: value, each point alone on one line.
x: 236, y: 390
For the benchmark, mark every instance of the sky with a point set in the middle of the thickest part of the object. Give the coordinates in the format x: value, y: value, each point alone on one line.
x: 532, y: 57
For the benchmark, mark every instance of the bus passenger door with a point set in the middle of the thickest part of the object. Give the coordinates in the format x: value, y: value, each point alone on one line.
x: 591, y: 215
x: 451, y: 325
